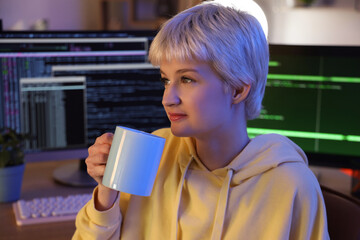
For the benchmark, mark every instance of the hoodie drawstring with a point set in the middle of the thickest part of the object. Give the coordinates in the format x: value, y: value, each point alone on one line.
x: 178, y: 199
x: 221, y: 207
x: 220, y: 210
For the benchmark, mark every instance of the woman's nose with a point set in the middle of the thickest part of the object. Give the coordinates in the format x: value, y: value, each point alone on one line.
x: 171, y: 96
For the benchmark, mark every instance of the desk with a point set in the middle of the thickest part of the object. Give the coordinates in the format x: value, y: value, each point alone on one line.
x: 38, y: 182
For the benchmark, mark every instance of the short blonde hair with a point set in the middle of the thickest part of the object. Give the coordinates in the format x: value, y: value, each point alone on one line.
x: 230, y: 41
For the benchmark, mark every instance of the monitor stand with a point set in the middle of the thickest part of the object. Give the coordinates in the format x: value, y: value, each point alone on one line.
x: 74, y: 174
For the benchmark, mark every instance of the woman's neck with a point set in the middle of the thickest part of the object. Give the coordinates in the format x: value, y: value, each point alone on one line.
x: 218, y: 151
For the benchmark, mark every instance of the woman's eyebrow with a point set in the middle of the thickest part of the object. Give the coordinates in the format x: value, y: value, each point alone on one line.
x: 186, y: 70
x: 182, y: 70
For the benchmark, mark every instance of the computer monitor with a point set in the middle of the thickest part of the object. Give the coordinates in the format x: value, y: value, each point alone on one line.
x: 312, y: 96
x: 67, y: 88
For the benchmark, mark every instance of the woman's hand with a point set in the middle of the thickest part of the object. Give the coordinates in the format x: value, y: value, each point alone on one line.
x: 96, y: 162
x: 98, y: 155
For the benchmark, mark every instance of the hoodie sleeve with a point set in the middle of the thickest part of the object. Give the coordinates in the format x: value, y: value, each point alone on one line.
x: 309, y: 219
x: 93, y: 224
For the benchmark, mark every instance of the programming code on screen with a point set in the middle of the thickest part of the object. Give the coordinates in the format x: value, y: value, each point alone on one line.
x: 312, y: 96
x: 53, y: 107
x: 66, y: 89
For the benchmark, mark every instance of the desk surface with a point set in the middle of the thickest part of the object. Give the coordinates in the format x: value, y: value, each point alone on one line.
x: 38, y: 182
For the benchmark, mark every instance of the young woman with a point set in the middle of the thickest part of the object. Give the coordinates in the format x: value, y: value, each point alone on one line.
x: 213, y: 181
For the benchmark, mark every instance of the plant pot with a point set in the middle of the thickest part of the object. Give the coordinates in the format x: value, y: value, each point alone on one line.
x: 10, y: 182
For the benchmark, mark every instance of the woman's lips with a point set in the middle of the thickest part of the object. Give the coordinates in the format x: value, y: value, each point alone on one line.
x: 173, y: 117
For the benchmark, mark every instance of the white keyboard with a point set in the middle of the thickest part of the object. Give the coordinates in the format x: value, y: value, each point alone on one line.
x: 50, y: 209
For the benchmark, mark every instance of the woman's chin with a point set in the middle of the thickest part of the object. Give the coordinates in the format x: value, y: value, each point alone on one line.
x: 180, y: 132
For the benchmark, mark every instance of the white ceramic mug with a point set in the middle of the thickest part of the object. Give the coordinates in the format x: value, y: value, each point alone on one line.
x: 133, y: 161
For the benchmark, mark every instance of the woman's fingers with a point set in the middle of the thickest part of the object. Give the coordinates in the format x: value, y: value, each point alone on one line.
x: 98, y: 154
x: 106, y: 138
x: 99, y: 149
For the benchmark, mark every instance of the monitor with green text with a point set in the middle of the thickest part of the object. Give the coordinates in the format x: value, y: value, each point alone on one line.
x: 312, y: 96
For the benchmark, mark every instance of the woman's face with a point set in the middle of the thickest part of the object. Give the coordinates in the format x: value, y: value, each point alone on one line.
x: 195, y: 99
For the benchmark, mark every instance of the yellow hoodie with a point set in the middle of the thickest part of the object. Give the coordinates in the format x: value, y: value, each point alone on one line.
x: 266, y: 192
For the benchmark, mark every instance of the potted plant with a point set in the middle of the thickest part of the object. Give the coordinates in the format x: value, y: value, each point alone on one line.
x: 11, y: 164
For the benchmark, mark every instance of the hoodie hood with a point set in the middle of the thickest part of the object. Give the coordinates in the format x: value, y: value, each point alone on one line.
x: 261, y: 154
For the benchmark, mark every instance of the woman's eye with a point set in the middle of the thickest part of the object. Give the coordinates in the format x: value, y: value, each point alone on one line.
x: 186, y: 80
x: 165, y: 81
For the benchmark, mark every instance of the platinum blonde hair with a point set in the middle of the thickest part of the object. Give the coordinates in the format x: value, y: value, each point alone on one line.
x: 232, y: 42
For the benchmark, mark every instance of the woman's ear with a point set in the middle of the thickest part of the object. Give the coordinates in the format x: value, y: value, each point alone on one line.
x: 240, y: 94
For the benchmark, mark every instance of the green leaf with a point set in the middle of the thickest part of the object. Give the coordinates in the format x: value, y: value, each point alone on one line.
x: 11, y: 147
x: 4, y: 158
